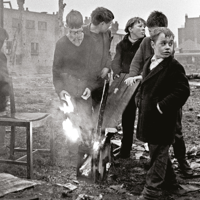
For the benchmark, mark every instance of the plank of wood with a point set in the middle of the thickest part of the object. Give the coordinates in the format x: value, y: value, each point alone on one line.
x: 119, y: 95
x: 193, y: 76
x: 194, y: 83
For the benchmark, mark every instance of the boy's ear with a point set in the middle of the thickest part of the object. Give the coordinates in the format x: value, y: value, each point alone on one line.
x: 129, y: 28
x: 102, y: 23
x: 152, y: 44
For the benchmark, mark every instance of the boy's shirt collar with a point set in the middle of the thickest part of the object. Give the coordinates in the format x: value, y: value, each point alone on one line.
x: 155, y: 62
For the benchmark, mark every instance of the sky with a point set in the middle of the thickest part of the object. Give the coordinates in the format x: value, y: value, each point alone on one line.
x: 175, y: 10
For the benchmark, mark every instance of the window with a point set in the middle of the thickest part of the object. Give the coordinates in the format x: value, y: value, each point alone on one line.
x: 34, y: 48
x: 30, y: 24
x: 15, y: 22
x: 18, y: 59
x: 42, y: 25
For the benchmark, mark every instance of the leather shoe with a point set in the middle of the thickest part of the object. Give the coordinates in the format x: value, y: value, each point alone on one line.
x: 170, y: 186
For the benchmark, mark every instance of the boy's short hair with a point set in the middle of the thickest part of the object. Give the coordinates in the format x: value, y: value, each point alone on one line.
x: 132, y: 21
x: 157, y: 31
x: 74, y: 19
x: 101, y: 14
x: 3, y: 34
x: 157, y: 19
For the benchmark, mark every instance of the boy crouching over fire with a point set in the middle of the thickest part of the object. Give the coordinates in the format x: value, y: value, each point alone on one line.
x: 163, y: 91
x: 72, y: 79
x: 75, y: 77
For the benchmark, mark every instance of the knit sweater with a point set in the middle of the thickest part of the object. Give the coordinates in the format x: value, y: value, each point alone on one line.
x: 71, y: 69
x: 143, y: 53
x: 106, y: 56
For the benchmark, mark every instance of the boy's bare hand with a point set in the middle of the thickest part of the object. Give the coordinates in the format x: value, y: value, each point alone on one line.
x: 63, y: 95
x: 132, y: 80
x: 104, y: 72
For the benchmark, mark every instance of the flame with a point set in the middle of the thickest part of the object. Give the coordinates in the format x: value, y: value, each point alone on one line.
x: 96, y: 146
x: 71, y: 132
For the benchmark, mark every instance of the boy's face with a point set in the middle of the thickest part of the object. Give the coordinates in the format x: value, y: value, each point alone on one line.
x: 103, y: 27
x: 163, y: 46
x: 76, y: 34
x: 137, y: 30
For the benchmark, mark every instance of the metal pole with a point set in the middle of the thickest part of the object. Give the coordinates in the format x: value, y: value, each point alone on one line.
x: 1, y: 13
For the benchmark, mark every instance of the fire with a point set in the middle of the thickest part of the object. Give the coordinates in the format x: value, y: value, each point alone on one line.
x: 96, y: 146
x: 71, y: 132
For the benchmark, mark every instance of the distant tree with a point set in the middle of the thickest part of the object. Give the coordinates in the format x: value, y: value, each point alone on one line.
x: 21, y: 4
x: 60, y: 17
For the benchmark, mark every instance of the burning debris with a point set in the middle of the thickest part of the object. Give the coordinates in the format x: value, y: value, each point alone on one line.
x: 70, y: 130
x: 94, y: 153
x: 94, y: 163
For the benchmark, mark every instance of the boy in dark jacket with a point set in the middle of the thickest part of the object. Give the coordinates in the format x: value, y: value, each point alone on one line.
x: 158, y: 19
x: 4, y: 86
x: 125, y: 51
x: 164, y: 89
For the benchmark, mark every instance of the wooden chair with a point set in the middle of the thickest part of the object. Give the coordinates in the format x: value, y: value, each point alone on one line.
x: 27, y: 120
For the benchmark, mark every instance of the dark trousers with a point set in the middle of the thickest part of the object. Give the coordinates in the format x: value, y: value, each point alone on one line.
x: 128, y: 120
x: 96, y: 99
x: 160, y: 171
x: 179, y: 145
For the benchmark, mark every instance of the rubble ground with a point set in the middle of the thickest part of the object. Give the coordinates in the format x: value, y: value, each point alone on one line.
x: 126, y: 178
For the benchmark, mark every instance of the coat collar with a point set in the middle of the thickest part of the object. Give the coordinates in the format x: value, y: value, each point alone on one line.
x: 126, y: 39
x: 157, y: 69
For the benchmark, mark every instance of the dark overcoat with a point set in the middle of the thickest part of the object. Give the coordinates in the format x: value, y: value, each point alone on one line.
x: 166, y: 85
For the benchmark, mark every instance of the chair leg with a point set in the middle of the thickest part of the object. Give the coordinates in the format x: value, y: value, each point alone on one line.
x: 12, y: 142
x: 29, y: 151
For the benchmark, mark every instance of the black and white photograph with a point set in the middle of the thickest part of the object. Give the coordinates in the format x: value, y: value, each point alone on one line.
x: 99, y: 99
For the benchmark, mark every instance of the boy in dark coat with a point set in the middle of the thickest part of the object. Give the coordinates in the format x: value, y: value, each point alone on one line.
x: 4, y: 86
x: 158, y: 19
x: 164, y: 89
x: 125, y: 51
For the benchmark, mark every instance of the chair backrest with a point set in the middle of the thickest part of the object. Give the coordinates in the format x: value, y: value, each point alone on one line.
x: 12, y: 97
